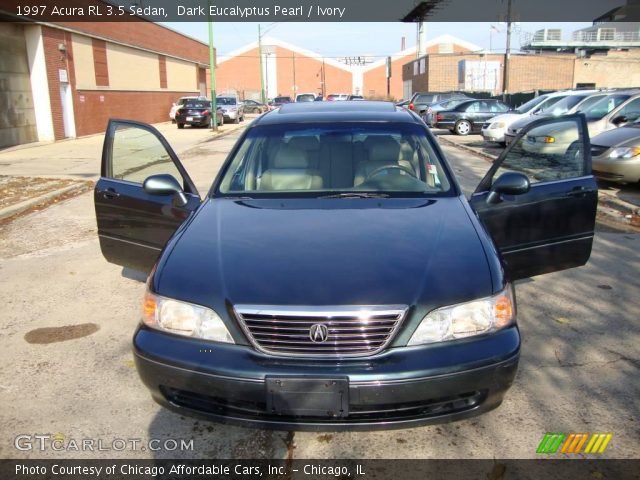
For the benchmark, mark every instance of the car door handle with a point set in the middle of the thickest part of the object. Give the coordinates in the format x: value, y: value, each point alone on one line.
x: 578, y: 192
x: 110, y: 193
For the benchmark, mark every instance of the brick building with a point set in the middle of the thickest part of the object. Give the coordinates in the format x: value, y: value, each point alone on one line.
x: 60, y: 80
x: 289, y: 69
x: 605, y: 55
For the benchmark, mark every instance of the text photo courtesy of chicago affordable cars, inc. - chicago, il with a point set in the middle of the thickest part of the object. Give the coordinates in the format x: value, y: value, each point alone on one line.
x: 309, y: 240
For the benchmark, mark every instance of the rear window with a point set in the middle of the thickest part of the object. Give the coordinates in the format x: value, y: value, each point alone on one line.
x: 306, y: 98
x: 425, y: 98
x: 226, y: 100
x: 318, y: 160
x: 197, y: 104
x: 282, y: 100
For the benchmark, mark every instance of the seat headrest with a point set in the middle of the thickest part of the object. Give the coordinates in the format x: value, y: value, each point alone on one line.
x: 288, y: 156
x: 382, y: 149
x: 305, y: 143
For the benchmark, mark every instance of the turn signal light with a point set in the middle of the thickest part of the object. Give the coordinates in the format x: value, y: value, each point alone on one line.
x: 549, y: 139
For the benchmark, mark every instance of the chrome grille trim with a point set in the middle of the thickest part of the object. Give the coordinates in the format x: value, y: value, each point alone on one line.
x: 354, y: 331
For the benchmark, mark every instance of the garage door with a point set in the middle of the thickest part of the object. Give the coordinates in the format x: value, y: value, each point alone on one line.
x: 17, y: 116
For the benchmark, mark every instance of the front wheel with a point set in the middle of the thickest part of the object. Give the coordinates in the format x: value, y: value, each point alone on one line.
x: 463, y: 127
x: 181, y: 125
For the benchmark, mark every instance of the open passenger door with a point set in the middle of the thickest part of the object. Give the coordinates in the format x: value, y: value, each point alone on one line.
x: 144, y: 194
x: 538, y: 201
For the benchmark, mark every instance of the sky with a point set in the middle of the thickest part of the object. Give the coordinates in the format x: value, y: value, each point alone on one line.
x: 349, y: 39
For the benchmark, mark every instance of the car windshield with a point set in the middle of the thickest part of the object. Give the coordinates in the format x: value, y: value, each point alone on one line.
x: 545, y: 107
x: 306, y: 97
x: 531, y: 104
x: 197, y: 104
x: 334, y: 160
x: 225, y: 100
x: 599, y: 109
x: 589, y: 102
x: 562, y: 106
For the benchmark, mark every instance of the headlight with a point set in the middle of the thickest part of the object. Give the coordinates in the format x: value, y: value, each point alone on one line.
x: 542, y: 139
x: 466, y: 319
x: 183, y: 318
x: 498, y: 125
x: 625, y: 152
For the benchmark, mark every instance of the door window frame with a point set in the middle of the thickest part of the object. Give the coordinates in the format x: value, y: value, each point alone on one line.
x: 580, y: 119
x: 106, y: 170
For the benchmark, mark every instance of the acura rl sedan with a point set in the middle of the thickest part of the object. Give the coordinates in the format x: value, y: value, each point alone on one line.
x: 335, y: 276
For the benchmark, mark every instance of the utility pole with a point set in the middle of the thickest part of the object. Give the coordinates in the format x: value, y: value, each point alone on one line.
x: 389, y: 65
x: 262, y: 95
x: 295, y: 86
x: 212, y: 73
x: 507, y: 56
x: 324, y: 93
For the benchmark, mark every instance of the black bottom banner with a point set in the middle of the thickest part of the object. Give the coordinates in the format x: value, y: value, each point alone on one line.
x: 548, y: 469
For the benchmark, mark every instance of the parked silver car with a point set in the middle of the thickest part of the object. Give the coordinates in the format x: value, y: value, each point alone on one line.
x: 574, y: 103
x: 232, y: 108
x: 615, y: 154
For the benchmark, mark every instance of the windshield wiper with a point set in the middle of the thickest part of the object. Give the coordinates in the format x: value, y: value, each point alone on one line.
x: 355, y: 195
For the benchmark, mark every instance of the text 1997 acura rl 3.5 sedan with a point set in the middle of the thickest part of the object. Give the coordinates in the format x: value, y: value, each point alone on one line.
x: 335, y: 276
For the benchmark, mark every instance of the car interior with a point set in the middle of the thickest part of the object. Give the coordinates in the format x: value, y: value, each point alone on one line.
x: 339, y: 161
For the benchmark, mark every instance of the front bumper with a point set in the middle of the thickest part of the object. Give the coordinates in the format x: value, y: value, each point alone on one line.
x: 493, y: 134
x: 616, y: 170
x: 398, y: 388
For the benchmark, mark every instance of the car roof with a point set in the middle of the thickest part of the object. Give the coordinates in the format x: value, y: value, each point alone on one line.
x: 365, y: 111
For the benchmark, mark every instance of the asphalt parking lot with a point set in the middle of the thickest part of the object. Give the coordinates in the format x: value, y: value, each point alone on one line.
x: 66, y: 367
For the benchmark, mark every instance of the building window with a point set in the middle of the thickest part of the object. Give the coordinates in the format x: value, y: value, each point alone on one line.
x: 423, y: 63
x: 415, y: 68
x: 606, y: 34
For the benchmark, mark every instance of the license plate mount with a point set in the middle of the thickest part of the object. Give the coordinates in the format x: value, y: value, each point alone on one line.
x: 308, y: 397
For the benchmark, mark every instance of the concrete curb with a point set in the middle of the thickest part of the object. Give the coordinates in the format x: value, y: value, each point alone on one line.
x: 485, y: 156
x: 215, y: 136
x: 18, y: 208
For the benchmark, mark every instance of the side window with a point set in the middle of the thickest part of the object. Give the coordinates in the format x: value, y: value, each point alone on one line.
x: 551, y: 151
x: 137, y: 154
x: 474, y: 107
x: 497, y: 107
x: 631, y: 110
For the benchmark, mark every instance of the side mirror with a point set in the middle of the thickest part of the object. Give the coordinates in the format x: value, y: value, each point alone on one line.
x: 619, y: 120
x: 164, y: 184
x: 509, y: 183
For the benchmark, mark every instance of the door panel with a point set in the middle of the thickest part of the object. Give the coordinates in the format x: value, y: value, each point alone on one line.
x: 134, y: 226
x: 550, y: 227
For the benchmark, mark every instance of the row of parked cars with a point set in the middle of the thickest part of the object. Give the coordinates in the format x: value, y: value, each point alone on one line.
x: 196, y: 111
x: 615, y: 151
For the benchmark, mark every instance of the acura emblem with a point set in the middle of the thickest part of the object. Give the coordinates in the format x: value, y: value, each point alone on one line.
x: 318, y: 333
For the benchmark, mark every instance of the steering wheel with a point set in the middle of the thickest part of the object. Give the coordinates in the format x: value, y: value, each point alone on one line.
x: 390, y: 167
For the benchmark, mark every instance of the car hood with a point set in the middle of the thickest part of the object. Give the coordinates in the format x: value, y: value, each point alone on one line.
x: 326, y: 252
x: 618, y: 137
x: 523, y: 121
x: 507, y: 118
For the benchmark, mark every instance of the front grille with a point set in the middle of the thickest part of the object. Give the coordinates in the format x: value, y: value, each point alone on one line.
x: 336, y: 331
x: 597, y: 150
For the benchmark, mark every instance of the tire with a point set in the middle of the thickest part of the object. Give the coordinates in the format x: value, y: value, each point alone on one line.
x: 502, y: 144
x: 181, y: 125
x: 463, y: 127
